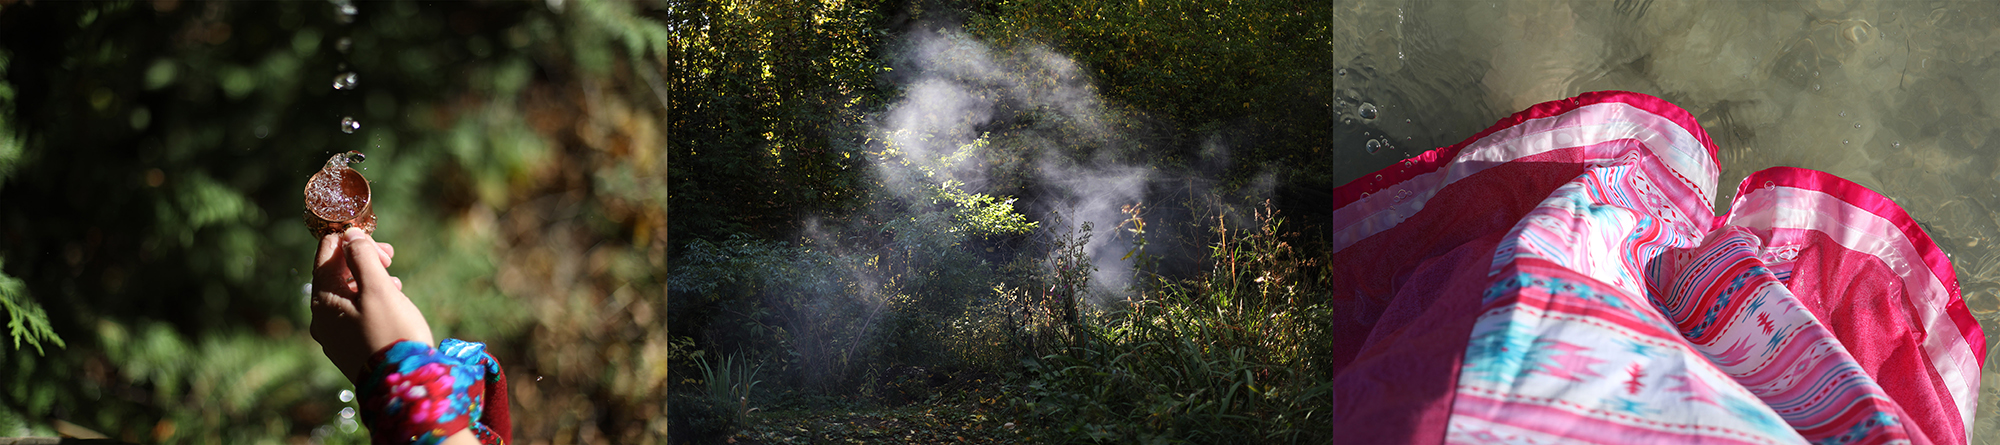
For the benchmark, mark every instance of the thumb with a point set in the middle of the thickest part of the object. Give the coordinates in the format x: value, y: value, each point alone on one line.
x: 365, y: 261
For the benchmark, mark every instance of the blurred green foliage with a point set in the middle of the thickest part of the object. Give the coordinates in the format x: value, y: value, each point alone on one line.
x: 25, y: 319
x: 152, y: 156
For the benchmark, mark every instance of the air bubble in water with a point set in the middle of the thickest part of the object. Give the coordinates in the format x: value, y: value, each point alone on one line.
x: 1368, y: 111
x: 1374, y: 146
x: 348, y: 125
x: 346, y: 81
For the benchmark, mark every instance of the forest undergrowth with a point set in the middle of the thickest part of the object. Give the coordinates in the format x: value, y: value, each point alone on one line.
x: 1225, y: 355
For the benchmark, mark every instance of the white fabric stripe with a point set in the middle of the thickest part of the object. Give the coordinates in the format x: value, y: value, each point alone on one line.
x: 1675, y: 147
x: 1862, y: 231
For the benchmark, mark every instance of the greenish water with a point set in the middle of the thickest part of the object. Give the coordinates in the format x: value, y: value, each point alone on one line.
x: 1897, y: 96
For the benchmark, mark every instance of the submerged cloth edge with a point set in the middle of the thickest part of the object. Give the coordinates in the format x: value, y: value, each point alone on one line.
x: 1382, y: 201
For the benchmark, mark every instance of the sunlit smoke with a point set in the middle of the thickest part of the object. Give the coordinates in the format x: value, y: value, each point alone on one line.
x: 958, y: 91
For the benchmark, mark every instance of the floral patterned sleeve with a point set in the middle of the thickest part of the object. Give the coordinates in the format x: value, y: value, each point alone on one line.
x: 416, y: 394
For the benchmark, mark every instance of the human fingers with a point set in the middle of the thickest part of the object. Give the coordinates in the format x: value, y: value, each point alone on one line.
x: 365, y: 261
x: 388, y: 253
x: 328, y: 246
x: 329, y: 270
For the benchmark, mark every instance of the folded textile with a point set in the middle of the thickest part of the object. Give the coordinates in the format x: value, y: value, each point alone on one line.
x: 1560, y: 277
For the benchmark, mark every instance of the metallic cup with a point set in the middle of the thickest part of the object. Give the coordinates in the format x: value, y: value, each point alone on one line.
x: 324, y: 220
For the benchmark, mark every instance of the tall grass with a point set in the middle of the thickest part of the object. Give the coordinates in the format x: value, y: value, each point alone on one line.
x: 1222, y: 357
x: 729, y: 385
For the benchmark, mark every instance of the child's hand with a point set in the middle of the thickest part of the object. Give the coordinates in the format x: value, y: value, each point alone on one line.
x: 357, y: 307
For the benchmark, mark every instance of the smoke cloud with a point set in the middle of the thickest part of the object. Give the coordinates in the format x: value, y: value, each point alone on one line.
x: 971, y: 113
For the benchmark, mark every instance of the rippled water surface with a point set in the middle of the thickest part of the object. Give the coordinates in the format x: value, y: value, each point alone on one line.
x: 1897, y: 96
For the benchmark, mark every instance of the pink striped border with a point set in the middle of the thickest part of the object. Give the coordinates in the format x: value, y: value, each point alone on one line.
x: 1865, y: 199
x: 1436, y: 159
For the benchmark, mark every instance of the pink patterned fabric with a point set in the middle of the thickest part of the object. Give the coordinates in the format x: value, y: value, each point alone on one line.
x: 1559, y: 278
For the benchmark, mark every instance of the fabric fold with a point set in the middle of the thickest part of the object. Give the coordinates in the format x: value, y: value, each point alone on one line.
x: 1559, y: 276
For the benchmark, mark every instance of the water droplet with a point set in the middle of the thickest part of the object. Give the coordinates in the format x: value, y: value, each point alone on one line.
x: 1857, y: 125
x: 347, y: 413
x: 1843, y: 142
x: 1368, y: 111
x: 1843, y: 114
x: 344, y: 11
x: 1342, y: 72
x: 1815, y: 74
x: 1815, y: 87
x: 346, y: 81
x: 343, y: 45
x: 1374, y: 146
x: 1897, y: 144
x: 263, y: 130
x: 346, y: 396
x: 1346, y: 121
x: 1406, y: 121
x: 1769, y: 183
x: 348, y: 125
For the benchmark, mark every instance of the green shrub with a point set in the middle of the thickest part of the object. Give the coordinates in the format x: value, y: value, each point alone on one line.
x: 1218, y: 358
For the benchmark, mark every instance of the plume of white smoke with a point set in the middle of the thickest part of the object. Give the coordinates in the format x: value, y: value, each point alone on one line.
x: 956, y: 88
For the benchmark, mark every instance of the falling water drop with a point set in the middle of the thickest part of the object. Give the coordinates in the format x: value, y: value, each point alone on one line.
x: 1374, y: 146
x: 1368, y: 111
x: 346, y: 81
x: 348, y: 125
x: 343, y: 10
x: 343, y: 45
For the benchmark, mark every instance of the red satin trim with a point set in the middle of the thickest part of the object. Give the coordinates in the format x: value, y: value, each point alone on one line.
x: 1858, y: 196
